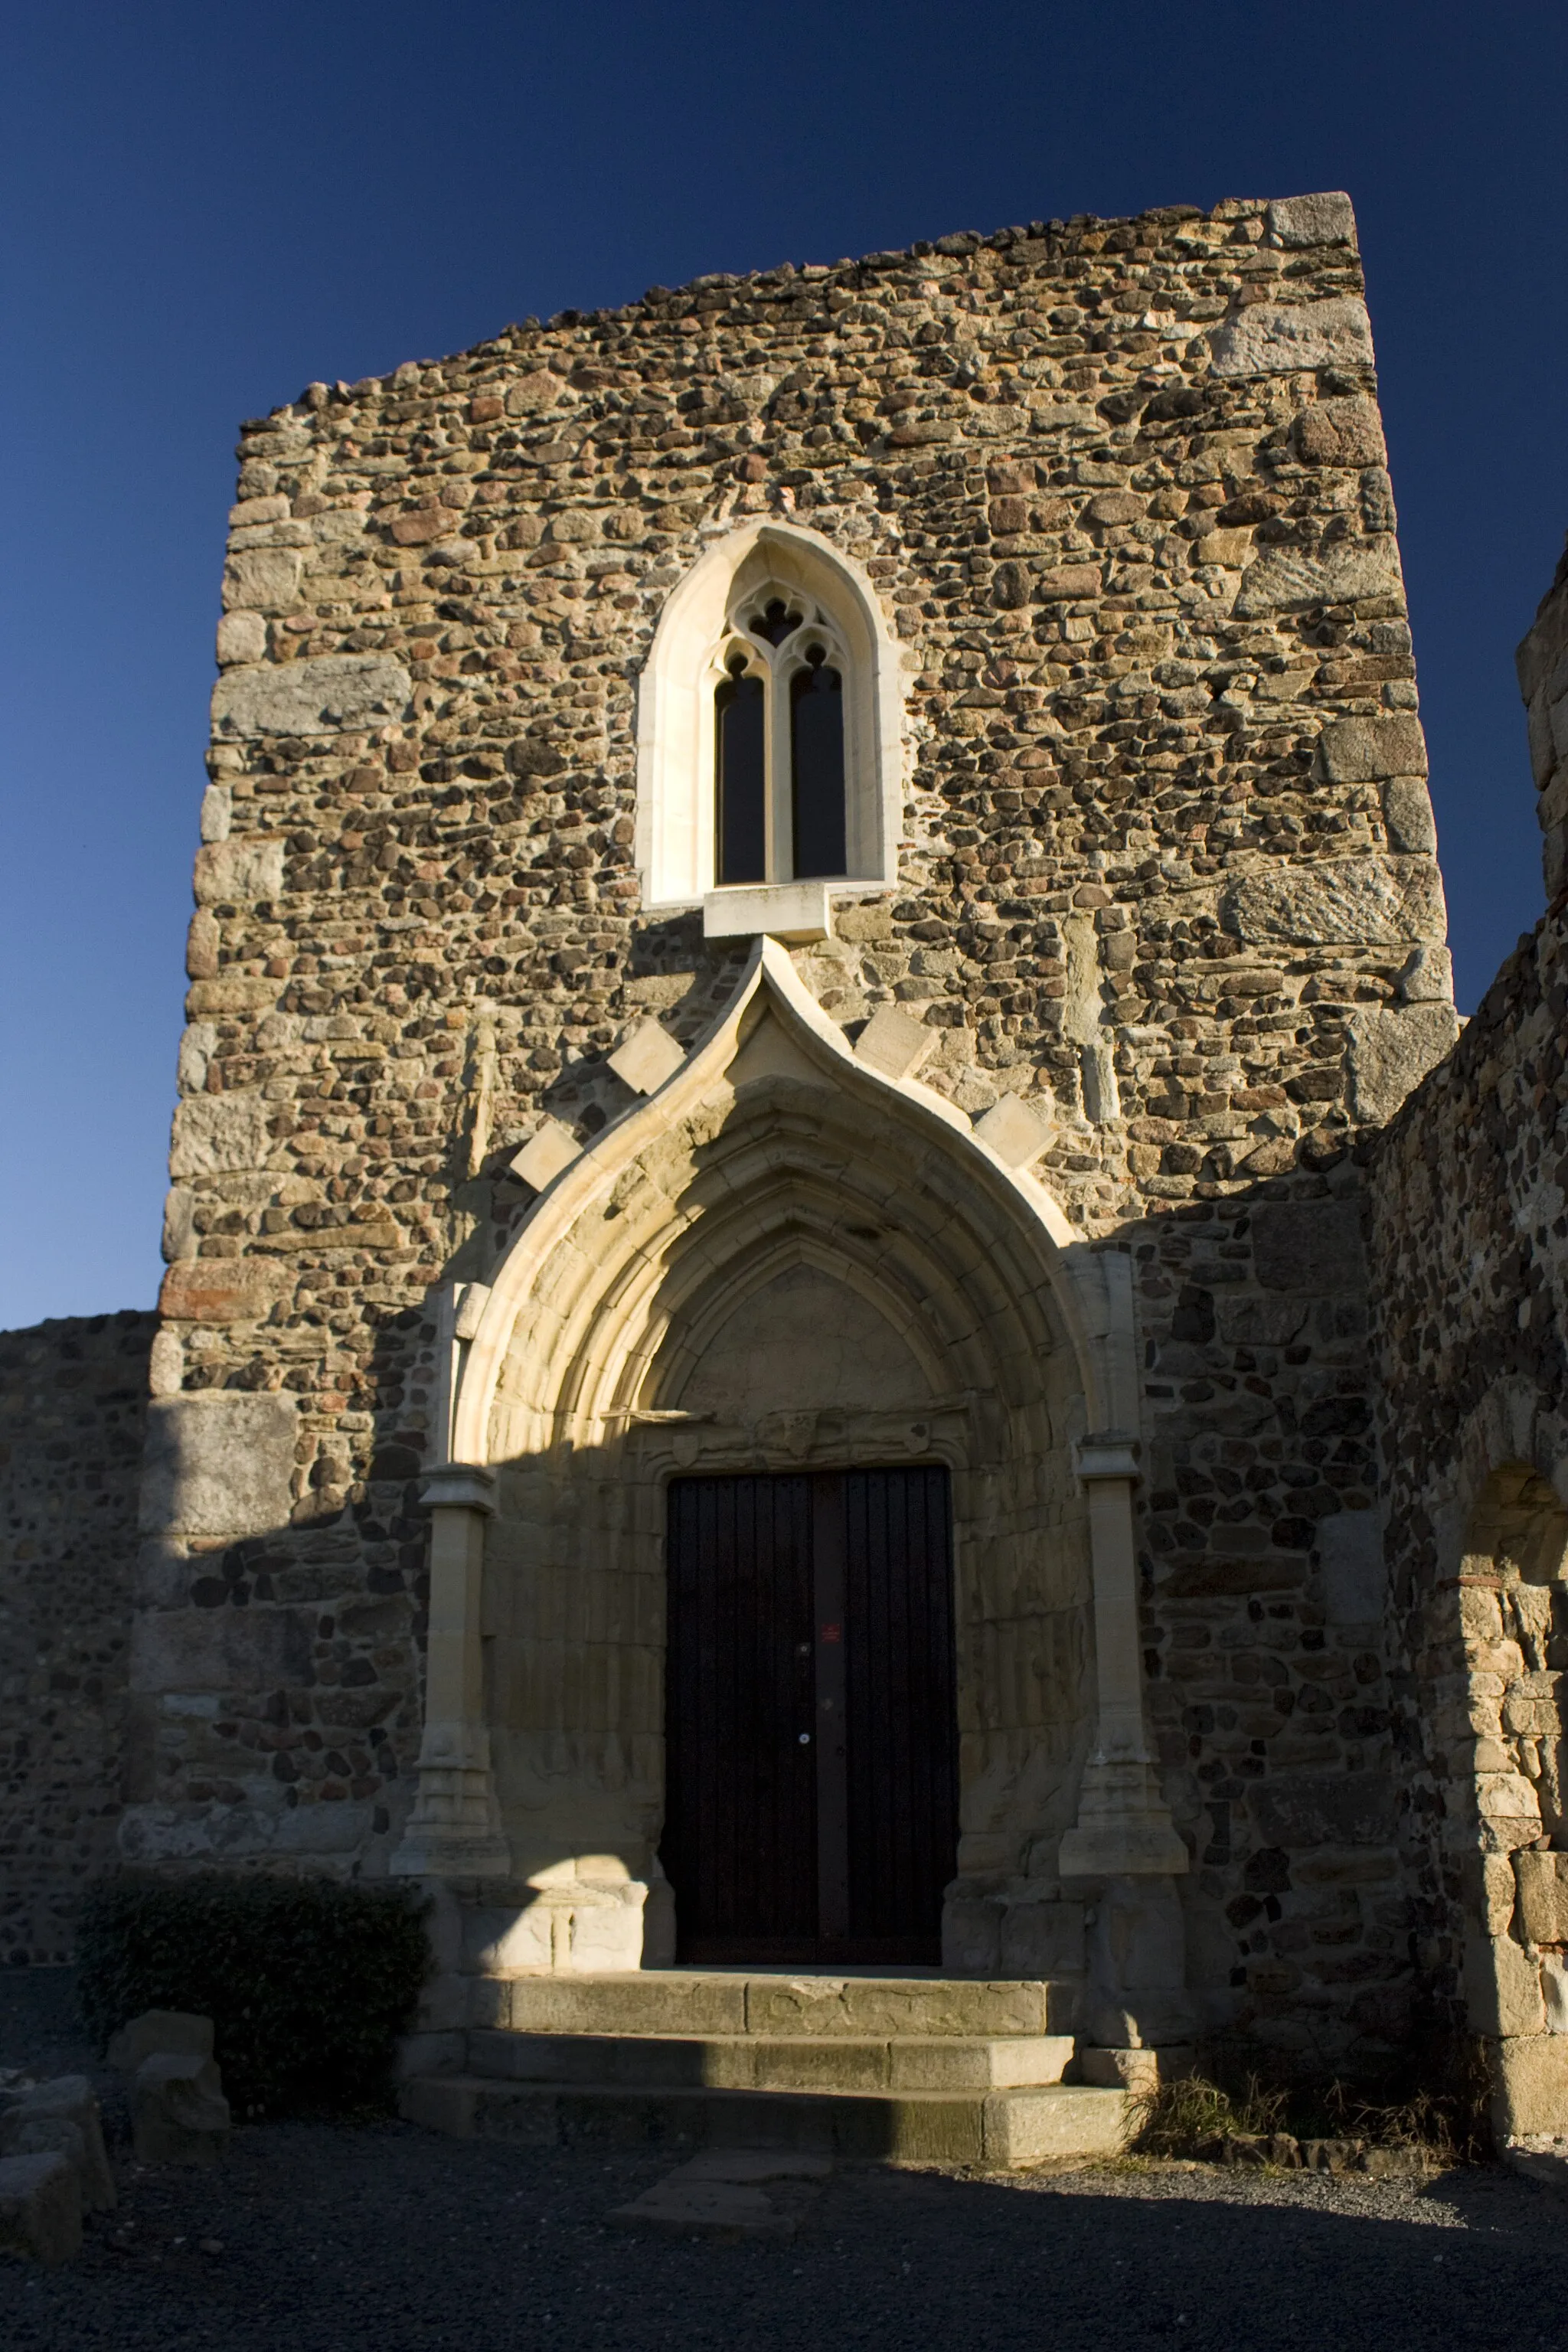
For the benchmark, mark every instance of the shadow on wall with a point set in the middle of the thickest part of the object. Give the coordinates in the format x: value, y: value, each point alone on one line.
x: 277, y: 1659
x: 73, y: 1401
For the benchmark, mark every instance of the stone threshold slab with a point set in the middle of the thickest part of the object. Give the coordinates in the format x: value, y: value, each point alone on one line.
x: 731, y: 2194
x: 862, y: 2007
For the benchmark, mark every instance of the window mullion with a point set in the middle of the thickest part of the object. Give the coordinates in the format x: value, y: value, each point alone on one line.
x: 780, y: 836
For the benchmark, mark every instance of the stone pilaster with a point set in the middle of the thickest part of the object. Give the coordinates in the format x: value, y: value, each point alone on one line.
x: 454, y: 1831
x: 1123, y: 1826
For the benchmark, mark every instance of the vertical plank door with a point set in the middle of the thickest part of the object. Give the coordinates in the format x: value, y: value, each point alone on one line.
x: 740, y: 1840
x: 811, y: 1782
x: 900, y: 1712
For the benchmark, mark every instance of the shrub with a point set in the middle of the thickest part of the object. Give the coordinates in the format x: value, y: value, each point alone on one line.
x: 308, y: 1982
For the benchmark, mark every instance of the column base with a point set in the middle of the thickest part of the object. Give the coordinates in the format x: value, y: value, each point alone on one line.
x: 1123, y: 1829
x: 454, y: 1830
x: 1142, y: 2071
x: 1136, y: 1997
x: 438, y: 1854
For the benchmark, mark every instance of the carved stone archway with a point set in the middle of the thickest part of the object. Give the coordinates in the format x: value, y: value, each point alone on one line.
x: 992, y: 1339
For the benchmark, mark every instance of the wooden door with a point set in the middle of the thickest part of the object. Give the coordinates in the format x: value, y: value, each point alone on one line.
x: 811, y: 1776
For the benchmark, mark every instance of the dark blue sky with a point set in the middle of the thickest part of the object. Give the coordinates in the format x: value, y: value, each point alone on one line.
x: 205, y: 207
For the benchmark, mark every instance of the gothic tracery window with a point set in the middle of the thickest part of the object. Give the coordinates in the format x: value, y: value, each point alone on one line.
x: 770, y: 725
x: 778, y: 743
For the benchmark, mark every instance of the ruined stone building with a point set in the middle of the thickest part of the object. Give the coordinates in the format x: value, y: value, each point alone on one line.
x: 809, y: 1321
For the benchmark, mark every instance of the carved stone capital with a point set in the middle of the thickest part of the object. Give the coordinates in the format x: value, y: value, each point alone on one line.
x: 460, y: 1486
x: 1105, y: 1455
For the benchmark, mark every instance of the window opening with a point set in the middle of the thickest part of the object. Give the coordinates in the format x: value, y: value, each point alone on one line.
x: 741, y: 744
x: 816, y: 766
x: 780, y: 749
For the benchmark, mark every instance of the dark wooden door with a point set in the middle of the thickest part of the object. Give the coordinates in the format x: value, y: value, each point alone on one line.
x: 811, y: 1780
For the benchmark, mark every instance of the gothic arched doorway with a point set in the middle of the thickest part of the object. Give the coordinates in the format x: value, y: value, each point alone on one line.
x: 788, y: 1266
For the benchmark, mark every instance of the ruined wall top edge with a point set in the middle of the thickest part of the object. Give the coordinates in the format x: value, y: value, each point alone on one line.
x: 1325, y: 217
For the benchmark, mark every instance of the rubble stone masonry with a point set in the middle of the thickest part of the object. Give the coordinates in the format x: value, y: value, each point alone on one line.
x: 73, y: 1408
x: 1166, y: 874
x: 1469, y: 1205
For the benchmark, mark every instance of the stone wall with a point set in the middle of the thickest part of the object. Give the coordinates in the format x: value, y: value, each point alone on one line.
x: 73, y: 1406
x: 1469, y: 1250
x: 1166, y: 876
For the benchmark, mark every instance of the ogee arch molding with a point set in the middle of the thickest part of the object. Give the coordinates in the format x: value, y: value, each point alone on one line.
x: 553, y: 1276
x: 779, y: 1191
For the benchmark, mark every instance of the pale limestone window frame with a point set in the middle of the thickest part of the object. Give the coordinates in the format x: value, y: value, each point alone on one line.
x: 702, y: 620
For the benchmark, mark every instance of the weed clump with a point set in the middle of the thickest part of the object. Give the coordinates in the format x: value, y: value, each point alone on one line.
x: 1329, y: 2127
x: 1192, y: 2117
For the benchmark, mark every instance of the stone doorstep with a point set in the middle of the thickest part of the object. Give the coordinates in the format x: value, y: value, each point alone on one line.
x: 823, y: 2061
x: 1002, y: 2129
x: 703, y: 2003
x: 732, y: 2194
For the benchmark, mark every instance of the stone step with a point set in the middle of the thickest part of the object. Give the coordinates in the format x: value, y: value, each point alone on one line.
x: 753, y: 2062
x: 999, y: 2129
x: 701, y: 2002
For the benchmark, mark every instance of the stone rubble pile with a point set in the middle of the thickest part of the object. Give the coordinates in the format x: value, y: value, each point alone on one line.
x: 178, y: 2112
x: 53, y: 2167
x: 1289, y: 2154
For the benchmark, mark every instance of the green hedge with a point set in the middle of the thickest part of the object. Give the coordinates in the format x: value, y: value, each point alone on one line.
x: 309, y: 1983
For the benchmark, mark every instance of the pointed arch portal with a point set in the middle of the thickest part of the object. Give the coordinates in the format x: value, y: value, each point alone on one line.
x: 783, y: 1262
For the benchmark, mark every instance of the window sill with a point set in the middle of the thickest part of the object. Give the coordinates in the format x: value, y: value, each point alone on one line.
x: 790, y: 912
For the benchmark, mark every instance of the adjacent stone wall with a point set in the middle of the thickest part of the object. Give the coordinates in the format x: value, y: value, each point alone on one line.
x: 1544, y: 682
x: 1469, y: 1252
x: 73, y: 1405
x: 1166, y: 875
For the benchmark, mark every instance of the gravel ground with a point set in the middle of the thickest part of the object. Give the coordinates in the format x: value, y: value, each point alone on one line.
x: 327, y: 2239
